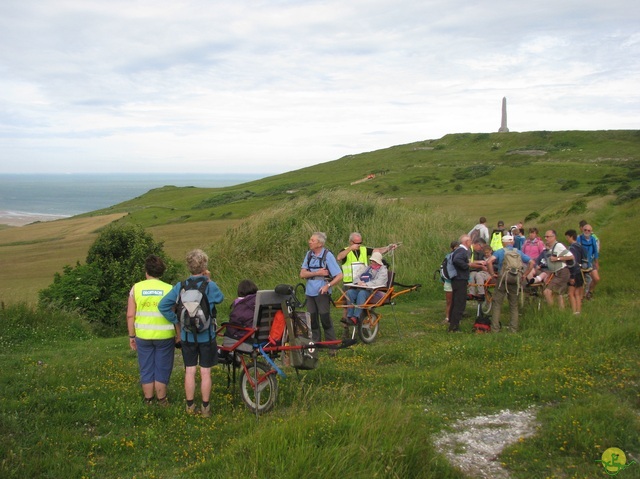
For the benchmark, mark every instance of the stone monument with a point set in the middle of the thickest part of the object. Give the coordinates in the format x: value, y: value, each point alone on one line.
x: 503, y: 123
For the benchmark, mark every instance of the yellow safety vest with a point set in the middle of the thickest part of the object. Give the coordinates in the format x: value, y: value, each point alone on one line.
x: 347, y: 271
x: 150, y: 323
x: 496, y: 241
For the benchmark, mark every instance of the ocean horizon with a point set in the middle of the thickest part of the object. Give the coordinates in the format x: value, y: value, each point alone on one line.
x: 64, y: 195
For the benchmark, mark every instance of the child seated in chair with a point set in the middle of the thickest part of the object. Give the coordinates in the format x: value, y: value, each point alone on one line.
x: 375, y: 276
x: 242, y: 310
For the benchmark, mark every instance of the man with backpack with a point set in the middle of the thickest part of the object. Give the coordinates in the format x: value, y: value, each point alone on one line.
x: 480, y: 231
x: 322, y: 271
x: 509, y: 271
x: 191, y: 304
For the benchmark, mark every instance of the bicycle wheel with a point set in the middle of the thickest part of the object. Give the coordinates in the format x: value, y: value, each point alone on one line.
x: 259, y: 396
x: 486, y: 304
x: 368, y: 327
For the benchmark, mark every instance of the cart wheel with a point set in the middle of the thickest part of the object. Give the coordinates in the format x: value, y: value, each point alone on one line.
x: 486, y: 304
x: 262, y: 397
x: 368, y: 328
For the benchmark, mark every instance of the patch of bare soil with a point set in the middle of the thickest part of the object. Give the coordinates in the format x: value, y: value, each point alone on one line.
x: 474, y: 444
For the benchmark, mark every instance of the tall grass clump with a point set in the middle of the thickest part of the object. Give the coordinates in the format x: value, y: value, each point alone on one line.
x: 270, y: 246
x: 24, y: 324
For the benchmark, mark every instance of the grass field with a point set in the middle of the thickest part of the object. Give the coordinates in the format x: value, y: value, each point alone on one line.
x: 70, y: 403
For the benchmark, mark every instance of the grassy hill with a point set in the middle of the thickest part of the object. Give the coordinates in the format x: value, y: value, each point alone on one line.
x: 70, y: 402
x: 549, y: 178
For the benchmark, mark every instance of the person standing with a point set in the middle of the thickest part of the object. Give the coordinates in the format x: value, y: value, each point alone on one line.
x: 533, y: 246
x: 321, y: 270
x: 557, y: 259
x: 591, y: 247
x: 199, y: 348
x: 505, y: 288
x: 460, y: 261
x: 576, y: 281
x: 496, y: 236
x: 482, y: 230
x: 150, y: 334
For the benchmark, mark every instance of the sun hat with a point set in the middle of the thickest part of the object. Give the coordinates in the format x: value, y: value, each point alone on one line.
x: 377, y: 257
x: 507, y: 238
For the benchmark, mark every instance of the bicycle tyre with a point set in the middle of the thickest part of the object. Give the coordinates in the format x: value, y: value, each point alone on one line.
x: 263, y: 398
x: 368, y: 327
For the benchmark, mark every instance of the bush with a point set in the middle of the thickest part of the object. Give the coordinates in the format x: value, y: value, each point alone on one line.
x: 99, y: 289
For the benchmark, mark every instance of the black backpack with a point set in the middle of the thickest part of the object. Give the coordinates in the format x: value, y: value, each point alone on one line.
x: 193, y: 309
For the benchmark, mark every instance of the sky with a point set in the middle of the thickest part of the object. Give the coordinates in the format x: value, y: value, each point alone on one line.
x: 271, y: 86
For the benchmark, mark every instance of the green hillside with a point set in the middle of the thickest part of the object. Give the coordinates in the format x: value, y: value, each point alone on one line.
x: 551, y: 167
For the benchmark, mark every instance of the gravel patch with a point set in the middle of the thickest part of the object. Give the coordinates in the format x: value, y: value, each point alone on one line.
x: 473, y: 446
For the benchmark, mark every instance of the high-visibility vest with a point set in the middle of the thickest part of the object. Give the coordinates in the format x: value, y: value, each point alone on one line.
x: 150, y: 323
x: 347, y: 271
x: 496, y: 240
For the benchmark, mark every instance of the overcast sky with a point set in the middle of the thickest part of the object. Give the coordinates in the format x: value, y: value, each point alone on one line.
x: 275, y: 85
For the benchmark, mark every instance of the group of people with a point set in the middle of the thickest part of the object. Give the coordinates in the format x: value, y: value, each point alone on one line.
x: 154, y: 327
x: 482, y: 258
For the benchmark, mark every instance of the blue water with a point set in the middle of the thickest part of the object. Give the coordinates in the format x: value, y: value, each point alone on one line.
x: 73, y: 194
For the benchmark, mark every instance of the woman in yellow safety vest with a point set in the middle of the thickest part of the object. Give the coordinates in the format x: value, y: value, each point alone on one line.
x: 150, y: 334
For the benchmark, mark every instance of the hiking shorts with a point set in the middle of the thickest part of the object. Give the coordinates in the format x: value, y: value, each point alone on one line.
x: 447, y: 287
x: 560, y: 281
x: 155, y: 358
x: 205, y: 354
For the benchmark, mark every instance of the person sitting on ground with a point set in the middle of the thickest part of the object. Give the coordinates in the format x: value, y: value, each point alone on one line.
x: 478, y: 273
x: 557, y: 258
x: 533, y: 246
x: 242, y: 310
x: 496, y: 236
x: 576, y: 281
x: 375, y: 276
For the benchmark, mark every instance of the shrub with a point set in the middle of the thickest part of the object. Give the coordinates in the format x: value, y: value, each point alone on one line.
x: 569, y: 184
x: 532, y: 216
x: 99, y: 289
x: 599, y: 190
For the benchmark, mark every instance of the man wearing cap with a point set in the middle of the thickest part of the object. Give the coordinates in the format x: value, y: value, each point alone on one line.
x: 504, y: 288
x: 375, y: 276
x: 496, y: 236
x: 557, y: 259
x: 357, y: 253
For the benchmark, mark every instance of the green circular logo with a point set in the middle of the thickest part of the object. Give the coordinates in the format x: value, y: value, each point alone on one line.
x: 614, y: 460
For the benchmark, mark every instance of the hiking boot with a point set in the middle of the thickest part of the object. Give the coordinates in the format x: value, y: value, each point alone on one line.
x: 164, y: 402
x: 191, y: 409
x: 147, y: 401
x: 206, y: 411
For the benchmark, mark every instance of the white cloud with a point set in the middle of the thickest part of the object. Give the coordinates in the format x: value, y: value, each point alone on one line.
x: 276, y: 85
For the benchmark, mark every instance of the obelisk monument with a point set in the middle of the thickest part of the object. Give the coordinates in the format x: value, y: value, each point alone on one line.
x: 503, y: 123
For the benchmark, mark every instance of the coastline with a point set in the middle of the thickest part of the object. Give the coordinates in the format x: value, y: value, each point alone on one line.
x: 21, y: 218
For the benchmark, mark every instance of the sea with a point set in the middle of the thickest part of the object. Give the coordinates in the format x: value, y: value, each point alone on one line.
x: 25, y: 198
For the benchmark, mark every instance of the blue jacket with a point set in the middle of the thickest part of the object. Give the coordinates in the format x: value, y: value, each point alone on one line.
x: 168, y: 303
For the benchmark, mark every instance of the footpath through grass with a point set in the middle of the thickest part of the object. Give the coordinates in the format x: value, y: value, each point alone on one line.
x: 70, y: 403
